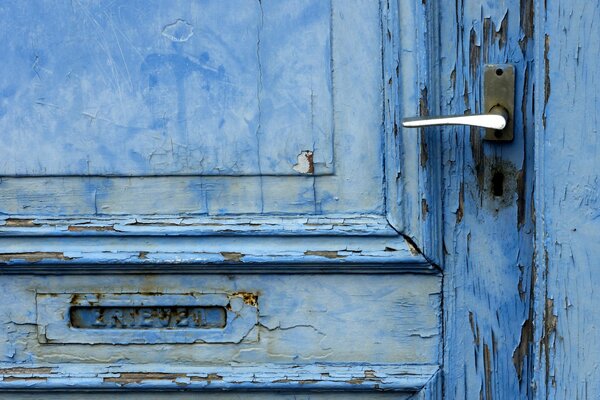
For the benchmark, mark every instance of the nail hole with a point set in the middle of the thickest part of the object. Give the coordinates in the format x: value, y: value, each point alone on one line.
x: 498, y: 184
x: 499, y: 71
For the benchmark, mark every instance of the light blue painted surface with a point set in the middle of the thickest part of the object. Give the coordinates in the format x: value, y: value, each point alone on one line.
x: 154, y: 88
x: 342, y: 301
x: 260, y: 167
x: 239, y: 155
x: 568, y: 204
x: 488, y: 259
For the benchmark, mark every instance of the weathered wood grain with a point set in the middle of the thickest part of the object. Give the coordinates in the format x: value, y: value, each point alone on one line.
x: 567, y: 200
x: 487, y: 239
x: 248, y: 378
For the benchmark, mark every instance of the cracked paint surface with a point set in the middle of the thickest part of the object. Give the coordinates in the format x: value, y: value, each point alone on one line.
x: 196, y: 189
x: 293, y: 319
x: 567, y: 191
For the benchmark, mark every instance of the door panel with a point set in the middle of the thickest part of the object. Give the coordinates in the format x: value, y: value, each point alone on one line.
x: 249, y: 97
x: 217, y: 196
x: 286, y: 318
x: 157, y: 88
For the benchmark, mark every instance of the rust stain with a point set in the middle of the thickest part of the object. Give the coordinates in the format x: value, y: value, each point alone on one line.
x: 20, y: 223
x: 232, y: 256
x: 249, y: 298
x: 324, y: 253
x: 311, y: 165
x: 84, y: 228
x: 305, y: 164
x: 33, y: 256
x: 143, y: 255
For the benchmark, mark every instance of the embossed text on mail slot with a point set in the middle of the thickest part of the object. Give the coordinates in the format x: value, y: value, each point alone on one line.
x: 148, y: 317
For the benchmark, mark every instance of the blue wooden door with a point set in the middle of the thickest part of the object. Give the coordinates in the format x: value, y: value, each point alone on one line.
x: 218, y: 197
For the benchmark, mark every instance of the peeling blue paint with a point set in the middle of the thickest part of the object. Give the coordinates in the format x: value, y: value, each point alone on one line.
x: 240, y: 156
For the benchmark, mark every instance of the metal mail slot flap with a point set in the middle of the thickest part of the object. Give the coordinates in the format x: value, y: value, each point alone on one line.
x: 113, y: 318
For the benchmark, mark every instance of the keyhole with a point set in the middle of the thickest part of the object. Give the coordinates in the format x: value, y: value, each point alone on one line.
x: 499, y: 71
x: 498, y: 184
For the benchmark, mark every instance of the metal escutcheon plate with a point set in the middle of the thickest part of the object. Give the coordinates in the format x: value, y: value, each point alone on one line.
x: 499, y: 89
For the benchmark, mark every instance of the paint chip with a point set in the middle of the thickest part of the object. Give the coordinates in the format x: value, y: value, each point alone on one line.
x: 305, y: 163
x: 178, y: 31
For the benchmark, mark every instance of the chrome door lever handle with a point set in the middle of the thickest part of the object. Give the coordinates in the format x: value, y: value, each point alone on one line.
x: 497, y: 119
x: 498, y: 102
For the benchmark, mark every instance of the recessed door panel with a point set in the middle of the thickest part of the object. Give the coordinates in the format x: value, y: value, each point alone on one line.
x: 166, y: 88
x: 216, y: 196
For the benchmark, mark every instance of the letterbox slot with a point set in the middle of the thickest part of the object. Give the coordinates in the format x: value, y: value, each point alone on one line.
x: 157, y: 317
